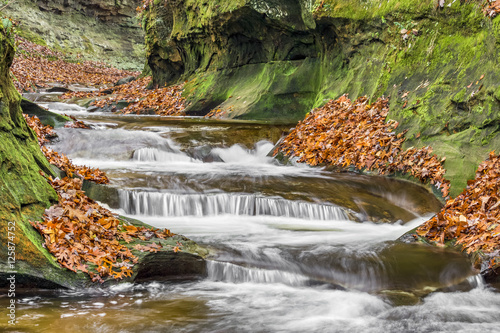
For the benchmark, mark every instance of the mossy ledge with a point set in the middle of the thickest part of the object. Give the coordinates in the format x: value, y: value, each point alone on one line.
x: 276, y: 60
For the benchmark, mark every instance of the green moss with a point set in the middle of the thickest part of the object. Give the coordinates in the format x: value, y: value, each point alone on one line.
x: 367, y: 9
x: 460, y: 97
x: 444, y: 74
x: 270, y: 91
x: 31, y: 36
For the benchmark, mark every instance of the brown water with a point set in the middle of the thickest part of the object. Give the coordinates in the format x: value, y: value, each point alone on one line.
x: 299, y: 249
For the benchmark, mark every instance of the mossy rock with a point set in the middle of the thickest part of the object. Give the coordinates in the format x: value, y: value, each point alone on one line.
x: 442, y: 81
x: 46, y: 117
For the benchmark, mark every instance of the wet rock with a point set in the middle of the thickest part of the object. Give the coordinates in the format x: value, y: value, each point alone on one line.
x: 106, y: 92
x: 102, y: 193
x: 400, y: 297
x: 46, y: 117
x: 125, y: 80
x: 204, y: 153
x: 58, y: 89
x: 490, y: 274
x: 27, y: 282
x: 167, y: 266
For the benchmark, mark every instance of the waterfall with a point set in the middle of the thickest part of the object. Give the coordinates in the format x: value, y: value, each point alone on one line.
x: 173, y: 204
x: 227, y: 272
x: 156, y: 155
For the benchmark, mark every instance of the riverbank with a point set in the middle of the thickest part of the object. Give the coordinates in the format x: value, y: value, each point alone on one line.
x: 355, y: 135
x: 76, y: 234
x: 277, y: 236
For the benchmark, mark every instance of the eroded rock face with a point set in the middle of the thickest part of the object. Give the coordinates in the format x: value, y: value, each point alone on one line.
x: 100, y: 30
x: 267, y: 50
x: 277, y: 59
x: 116, y: 11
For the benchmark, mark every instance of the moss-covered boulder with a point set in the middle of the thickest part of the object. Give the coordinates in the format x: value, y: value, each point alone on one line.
x: 277, y: 59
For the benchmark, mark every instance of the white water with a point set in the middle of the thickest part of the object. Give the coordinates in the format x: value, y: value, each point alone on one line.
x: 279, y: 260
x: 155, y: 155
x: 173, y: 205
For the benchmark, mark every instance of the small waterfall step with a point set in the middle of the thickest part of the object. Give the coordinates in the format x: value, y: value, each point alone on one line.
x: 176, y: 205
x: 228, y: 272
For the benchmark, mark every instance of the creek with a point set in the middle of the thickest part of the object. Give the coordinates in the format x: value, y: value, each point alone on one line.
x: 295, y: 248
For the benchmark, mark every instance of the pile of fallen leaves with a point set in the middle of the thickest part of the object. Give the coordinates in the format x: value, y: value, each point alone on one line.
x: 37, y: 66
x: 492, y: 8
x: 165, y: 101
x: 79, y: 232
x: 346, y: 134
x: 46, y: 133
x: 472, y: 218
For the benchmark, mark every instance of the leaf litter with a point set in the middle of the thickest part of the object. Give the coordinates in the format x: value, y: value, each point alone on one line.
x: 82, y: 235
x: 357, y: 134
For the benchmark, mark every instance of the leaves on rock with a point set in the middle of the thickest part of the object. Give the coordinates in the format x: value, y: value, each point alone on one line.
x: 37, y: 66
x: 83, y: 236
x: 491, y: 8
x: 75, y: 123
x: 346, y: 134
x: 44, y: 133
x: 473, y: 217
x: 166, y: 101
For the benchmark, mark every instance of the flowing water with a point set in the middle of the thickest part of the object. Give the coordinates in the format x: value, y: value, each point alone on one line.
x: 295, y: 248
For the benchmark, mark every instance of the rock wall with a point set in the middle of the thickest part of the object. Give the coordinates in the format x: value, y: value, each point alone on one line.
x: 121, y: 12
x: 265, y: 52
x: 278, y: 59
x: 24, y: 193
x: 100, y: 30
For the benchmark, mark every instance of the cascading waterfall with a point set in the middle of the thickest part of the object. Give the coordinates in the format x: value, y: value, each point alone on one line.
x: 277, y: 265
x: 173, y: 204
x: 155, y: 155
x: 227, y: 272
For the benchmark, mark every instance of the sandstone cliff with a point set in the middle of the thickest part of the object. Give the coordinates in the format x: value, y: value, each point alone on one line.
x: 277, y: 60
x: 100, y: 30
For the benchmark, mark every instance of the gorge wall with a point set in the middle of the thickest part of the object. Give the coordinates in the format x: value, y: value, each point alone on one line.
x: 24, y: 193
x: 100, y: 30
x: 277, y: 60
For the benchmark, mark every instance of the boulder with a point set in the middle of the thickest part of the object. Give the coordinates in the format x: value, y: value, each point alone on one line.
x: 124, y: 80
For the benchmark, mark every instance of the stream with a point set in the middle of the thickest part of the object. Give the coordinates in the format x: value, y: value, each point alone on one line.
x: 295, y: 248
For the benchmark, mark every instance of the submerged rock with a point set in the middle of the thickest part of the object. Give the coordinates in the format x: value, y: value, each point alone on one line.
x: 124, y: 80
